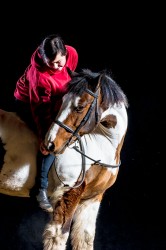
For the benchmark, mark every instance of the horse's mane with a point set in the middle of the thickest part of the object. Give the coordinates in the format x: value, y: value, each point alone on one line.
x: 111, y: 92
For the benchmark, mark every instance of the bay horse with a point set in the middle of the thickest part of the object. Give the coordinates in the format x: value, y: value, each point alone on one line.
x: 87, y: 138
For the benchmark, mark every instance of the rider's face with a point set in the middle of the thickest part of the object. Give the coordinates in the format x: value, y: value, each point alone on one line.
x: 59, y: 62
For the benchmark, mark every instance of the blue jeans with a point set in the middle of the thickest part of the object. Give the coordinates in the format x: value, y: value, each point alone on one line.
x: 44, y: 163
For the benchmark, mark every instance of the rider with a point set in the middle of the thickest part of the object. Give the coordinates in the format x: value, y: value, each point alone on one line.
x: 38, y: 95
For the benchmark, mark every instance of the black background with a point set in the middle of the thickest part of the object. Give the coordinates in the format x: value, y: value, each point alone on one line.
x: 129, y: 40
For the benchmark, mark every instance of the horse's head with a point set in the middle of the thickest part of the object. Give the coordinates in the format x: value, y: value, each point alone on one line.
x: 88, y: 96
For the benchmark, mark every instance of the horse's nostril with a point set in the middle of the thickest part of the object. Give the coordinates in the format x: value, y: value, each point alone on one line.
x: 51, y: 147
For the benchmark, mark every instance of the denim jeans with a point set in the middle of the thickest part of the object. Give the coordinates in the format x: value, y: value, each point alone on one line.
x: 44, y: 163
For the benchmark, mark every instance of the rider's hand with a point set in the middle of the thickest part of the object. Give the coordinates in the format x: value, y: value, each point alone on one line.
x: 43, y: 149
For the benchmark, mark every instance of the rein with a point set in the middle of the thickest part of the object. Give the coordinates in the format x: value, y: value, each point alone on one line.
x: 75, y: 133
x: 82, y: 152
x: 98, y: 161
x: 78, y: 183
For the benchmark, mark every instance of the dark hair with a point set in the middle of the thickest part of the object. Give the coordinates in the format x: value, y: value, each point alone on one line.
x: 51, y: 46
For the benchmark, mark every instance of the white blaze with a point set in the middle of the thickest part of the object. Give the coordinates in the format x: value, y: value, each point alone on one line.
x: 65, y: 110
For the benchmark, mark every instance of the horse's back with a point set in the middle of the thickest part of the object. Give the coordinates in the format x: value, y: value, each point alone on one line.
x: 18, y: 171
x: 19, y: 147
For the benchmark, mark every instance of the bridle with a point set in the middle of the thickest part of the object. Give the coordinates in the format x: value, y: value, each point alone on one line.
x: 84, y: 120
x: 74, y: 133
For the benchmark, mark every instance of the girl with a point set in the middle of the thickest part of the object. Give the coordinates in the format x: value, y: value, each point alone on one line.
x: 38, y: 95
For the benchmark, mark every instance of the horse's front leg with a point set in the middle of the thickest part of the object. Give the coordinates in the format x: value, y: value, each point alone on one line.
x: 84, y: 224
x: 98, y: 179
x: 57, y: 231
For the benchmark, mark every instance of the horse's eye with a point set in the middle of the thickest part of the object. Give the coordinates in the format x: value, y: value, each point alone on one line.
x: 79, y: 108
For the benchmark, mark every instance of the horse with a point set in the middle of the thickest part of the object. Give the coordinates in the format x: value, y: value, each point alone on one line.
x: 86, y: 138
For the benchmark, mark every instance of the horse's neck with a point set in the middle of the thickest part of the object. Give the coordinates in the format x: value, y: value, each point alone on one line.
x: 118, y: 110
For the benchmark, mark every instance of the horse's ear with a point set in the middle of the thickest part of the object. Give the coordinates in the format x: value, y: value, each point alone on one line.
x: 71, y: 73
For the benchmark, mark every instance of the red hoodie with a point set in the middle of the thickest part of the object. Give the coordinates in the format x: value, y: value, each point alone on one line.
x: 44, y: 88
